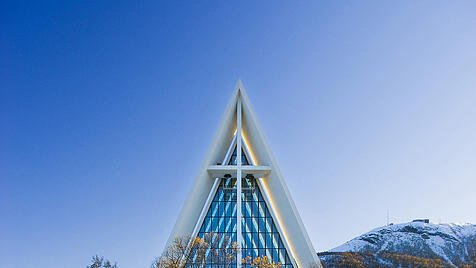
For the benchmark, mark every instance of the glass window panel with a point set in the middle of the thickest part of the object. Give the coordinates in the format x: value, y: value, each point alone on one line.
x: 260, y: 197
x: 233, y: 157
x: 207, y: 225
x: 231, y: 207
x: 204, y: 225
x: 221, y: 223
x: 209, y: 213
x: 246, y: 210
x: 262, y: 224
x: 249, y: 225
x: 274, y: 255
x: 233, y: 237
x: 226, y: 206
x: 217, y: 196
x: 219, y: 209
x: 227, y: 225
x: 233, y: 223
x: 275, y: 240
x: 275, y: 230
x: 223, y: 209
x: 233, y: 212
x: 287, y: 259
x: 267, y: 225
x: 244, y: 159
x: 260, y: 236
x: 262, y: 252
x: 267, y: 213
x: 262, y: 208
x: 248, y: 240
x: 255, y: 222
x: 214, y: 224
x: 268, y: 240
x: 282, y: 255
x: 261, y: 240
x: 214, y: 208
x: 254, y: 209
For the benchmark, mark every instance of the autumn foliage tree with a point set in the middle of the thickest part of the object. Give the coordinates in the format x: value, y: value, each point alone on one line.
x: 213, y: 248
x: 260, y: 262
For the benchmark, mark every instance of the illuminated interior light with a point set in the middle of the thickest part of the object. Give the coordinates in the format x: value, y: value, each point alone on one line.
x: 250, y: 151
x: 278, y: 217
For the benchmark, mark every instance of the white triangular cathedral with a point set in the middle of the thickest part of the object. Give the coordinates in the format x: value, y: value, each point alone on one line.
x: 270, y: 223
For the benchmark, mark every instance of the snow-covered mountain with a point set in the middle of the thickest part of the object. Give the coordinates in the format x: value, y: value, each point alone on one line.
x: 453, y: 244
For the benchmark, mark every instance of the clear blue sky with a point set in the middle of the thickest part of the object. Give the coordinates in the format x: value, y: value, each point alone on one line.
x: 367, y: 106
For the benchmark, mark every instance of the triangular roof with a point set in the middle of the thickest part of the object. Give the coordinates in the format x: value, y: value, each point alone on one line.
x: 283, y: 209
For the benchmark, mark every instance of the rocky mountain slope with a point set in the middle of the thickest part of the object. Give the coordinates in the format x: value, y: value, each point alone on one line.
x: 417, y: 244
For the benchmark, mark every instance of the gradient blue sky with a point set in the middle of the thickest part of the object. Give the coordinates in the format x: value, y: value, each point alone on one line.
x: 367, y: 106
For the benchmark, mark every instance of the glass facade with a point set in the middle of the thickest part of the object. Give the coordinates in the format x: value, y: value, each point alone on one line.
x: 233, y: 161
x: 260, y: 236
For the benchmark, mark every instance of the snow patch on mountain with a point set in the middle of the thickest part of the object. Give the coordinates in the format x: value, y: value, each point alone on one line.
x: 450, y: 242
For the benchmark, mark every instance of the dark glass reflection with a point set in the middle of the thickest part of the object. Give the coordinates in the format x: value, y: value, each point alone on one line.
x: 233, y: 160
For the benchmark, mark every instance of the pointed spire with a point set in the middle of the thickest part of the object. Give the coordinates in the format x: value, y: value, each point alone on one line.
x: 239, y: 85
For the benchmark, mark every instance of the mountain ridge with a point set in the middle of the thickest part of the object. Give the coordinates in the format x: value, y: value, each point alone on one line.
x: 424, y: 244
